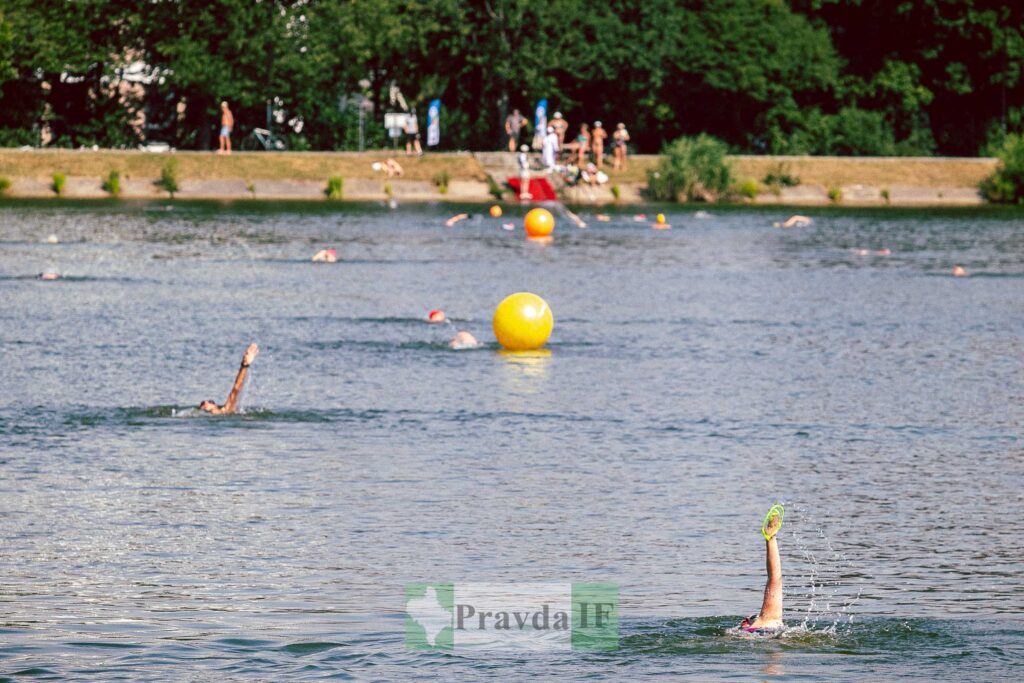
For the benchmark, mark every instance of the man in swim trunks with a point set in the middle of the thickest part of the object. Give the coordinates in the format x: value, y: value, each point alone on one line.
x: 513, y: 127
x: 231, y: 405
x: 769, y: 619
x: 227, y: 123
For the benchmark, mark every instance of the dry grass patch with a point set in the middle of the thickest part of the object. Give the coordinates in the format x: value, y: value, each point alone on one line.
x: 248, y: 165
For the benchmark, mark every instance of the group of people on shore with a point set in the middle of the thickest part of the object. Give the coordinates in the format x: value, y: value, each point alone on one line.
x: 587, y: 147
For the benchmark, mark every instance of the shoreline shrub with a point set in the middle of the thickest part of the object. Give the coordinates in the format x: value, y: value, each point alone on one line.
x: 694, y: 168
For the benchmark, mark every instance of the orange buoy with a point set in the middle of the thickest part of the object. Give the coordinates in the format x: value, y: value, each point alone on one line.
x: 495, y: 211
x: 539, y: 223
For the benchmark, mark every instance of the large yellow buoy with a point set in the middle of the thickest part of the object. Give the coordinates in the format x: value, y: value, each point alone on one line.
x: 523, y: 322
x: 539, y: 223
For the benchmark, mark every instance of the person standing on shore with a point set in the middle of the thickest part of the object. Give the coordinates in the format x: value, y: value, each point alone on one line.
x: 513, y: 127
x: 227, y: 124
x: 412, y: 135
x: 549, y: 149
x: 561, y: 126
x: 583, y: 145
x: 598, y: 136
x: 620, y: 137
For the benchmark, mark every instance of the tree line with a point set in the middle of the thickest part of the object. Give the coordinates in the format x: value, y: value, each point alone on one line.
x: 849, y: 77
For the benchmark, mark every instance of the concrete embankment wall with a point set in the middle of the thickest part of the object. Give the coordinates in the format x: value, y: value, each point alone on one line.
x: 899, y: 181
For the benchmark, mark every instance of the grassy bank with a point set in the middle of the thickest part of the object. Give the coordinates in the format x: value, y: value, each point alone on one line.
x: 316, y: 166
x: 923, y: 172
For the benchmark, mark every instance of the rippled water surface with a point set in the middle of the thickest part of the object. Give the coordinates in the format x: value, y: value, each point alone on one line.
x: 695, y: 376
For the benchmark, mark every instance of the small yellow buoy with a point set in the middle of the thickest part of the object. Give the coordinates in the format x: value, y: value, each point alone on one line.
x: 523, y: 322
x: 539, y: 223
x: 495, y: 211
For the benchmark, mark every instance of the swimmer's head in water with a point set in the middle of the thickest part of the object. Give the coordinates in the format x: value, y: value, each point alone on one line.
x: 208, y: 405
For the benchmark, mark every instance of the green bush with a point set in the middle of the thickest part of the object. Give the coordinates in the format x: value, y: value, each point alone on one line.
x: 496, y: 190
x: 691, y: 167
x: 616, y: 191
x: 59, y: 179
x: 389, y: 192
x: 748, y: 188
x: 441, y: 179
x: 251, y: 187
x: 335, y: 184
x: 1006, y: 185
x: 886, y: 195
x: 112, y: 184
x: 835, y: 194
x: 779, y: 176
x: 5, y: 184
x: 169, y: 177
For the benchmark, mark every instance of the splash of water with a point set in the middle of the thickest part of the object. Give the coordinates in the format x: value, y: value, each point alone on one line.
x: 826, y: 588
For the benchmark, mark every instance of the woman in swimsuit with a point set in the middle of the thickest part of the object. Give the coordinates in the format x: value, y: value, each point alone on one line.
x: 621, y: 137
x: 583, y: 144
x: 769, y: 619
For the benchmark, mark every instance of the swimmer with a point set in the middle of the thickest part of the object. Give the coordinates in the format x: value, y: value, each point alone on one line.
x: 861, y: 252
x: 640, y: 217
x: 603, y: 217
x: 455, y: 219
x: 794, y: 222
x: 508, y: 226
x: 52, y: 239
x: 580, y: 223
x: 49, y: 275
x: 960, y: 271
x: 231, y: 405
x: 325, y: 256
x: 769, y: 619
x: 660, y: 224
x: 884, y: 252
x: 436, y: 316
x: 463, y: 340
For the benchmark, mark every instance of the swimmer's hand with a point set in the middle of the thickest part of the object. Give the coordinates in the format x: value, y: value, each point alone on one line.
x: 250, y: 354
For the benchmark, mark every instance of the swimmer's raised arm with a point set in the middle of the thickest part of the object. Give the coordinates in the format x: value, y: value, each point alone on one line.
x: 231, y: 405
x: 456, y: 218
x: 769, y: 618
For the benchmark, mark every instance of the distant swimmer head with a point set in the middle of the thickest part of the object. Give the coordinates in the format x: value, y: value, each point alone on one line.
x: 325, y: 256
x: 436, y: 316
x: 463, y: 340
x: 52, y: 239
x: 49, y: 275
x: 208, y: 406
x: 660, y: 218
x: 959, y: 271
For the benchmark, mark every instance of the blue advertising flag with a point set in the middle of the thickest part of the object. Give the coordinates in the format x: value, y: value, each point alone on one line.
x: 540, y: 123
x: 434, y: 123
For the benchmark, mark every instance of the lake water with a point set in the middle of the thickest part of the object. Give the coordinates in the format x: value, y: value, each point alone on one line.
x: 695, y: 376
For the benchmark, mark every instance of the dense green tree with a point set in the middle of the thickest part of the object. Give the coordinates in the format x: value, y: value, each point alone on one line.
x: 796, y: 76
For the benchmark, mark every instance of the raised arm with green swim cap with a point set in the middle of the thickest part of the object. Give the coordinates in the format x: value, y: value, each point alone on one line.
x: 769, y: 620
